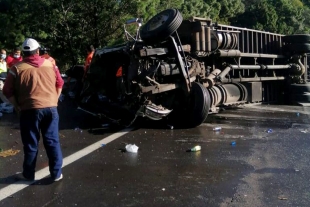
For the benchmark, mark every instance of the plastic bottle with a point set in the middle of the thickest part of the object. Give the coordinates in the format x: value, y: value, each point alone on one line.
x: 196, y: 148
x: 217, y: 128
x: 233, y: 143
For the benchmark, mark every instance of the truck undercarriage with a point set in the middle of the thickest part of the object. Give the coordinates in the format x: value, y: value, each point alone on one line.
x: 186, y: 69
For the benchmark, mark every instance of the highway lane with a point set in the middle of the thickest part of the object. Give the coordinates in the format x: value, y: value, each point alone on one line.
x: 262, y: 169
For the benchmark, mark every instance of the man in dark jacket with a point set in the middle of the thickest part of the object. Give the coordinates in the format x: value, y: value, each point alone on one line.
x: 33, y: 86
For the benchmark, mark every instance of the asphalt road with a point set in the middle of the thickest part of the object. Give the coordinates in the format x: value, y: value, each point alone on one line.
x: 261, y: 169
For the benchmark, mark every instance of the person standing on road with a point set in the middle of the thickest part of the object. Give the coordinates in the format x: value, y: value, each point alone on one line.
x: 3, y: 67
x: 90, y: 53
x: 33, y: 86
x: 14, y: 58
x: 44, y: 54
x: 3, y: 64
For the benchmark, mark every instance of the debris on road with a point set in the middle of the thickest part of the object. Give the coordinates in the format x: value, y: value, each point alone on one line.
x: 78, y: 129
x: 9, y: 152
x: 194, y: 149
x: 282, y: 198
x: 217, y: 128
x: 6, y: 108
x: 131, y: 148
x: 61, y: 135
x: 170, y: 126
x: 233, y: 143
x: 269, y: 131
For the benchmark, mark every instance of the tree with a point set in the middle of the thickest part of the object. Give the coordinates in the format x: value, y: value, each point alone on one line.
x: 289, y: 15
x: 229, y: 9
x: 67, y: 26
x: 147, y: 8
x: 280, y: 16
x: 200, y: 8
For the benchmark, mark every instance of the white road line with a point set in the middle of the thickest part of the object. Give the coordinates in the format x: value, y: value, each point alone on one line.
x: 18, y: 186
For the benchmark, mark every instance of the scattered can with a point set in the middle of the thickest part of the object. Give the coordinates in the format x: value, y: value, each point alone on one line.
x: 195, y: 149
x: 217, y: 128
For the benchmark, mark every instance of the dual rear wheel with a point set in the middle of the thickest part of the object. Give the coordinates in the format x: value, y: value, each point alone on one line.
x: 192, y: 110
x: 296, y: 44
x: 196, y: 109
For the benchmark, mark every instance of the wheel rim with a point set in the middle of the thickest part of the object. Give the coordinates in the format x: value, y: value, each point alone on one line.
x: 158, y: 22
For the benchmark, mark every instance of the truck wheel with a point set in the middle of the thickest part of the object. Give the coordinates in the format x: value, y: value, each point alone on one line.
x: 199, y: 105
x: 299, y: 93
x: 297, y: 48
x: 301, y: 98
x: 161, y: 26
x: 299, y: 88
x: 297, y: 38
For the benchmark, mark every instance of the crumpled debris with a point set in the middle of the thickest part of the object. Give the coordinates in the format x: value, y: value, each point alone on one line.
x: 6, y: 108
x: 78, y: 129
x: 132, y: 148
x: 282, y: 198
x: 9, y: 152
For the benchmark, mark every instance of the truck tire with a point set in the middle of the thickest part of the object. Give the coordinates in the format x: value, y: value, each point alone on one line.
x: 199, y: 105
x: 300, y: 98
x: 297, y: 38
x: 297, y: 48
x: 299, y: 88
x: 161, y: 26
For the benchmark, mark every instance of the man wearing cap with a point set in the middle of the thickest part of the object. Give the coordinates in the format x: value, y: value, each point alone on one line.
x: 33, y: 86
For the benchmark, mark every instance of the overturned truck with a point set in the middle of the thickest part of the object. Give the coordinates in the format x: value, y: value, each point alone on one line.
x: 183, y: 70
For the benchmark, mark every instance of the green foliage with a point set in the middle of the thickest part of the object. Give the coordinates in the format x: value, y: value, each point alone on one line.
x: 200, y: 8
x: 280, y: 16
x: 67, y: 26
x: 229, y: 9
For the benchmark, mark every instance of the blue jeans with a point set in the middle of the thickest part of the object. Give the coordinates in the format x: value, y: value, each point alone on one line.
x: 32, y: 122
